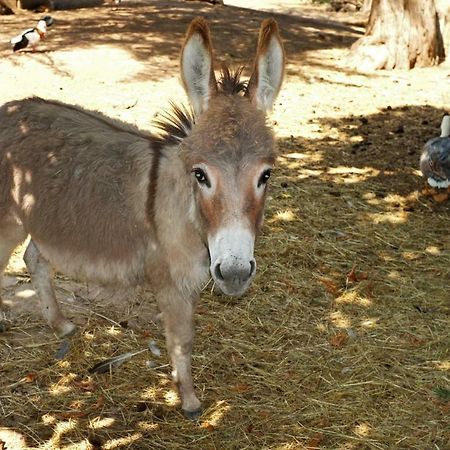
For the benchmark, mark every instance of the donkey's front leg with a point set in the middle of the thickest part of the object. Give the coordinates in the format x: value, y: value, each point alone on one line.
x: 177, y: 314
x: 41, y: 277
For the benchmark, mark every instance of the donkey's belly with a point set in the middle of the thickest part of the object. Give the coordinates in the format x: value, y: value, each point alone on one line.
x: 126, y: 270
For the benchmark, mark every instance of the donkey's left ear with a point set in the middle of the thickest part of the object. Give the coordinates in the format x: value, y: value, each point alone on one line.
x: 197, y: 70
x: 268, y: 69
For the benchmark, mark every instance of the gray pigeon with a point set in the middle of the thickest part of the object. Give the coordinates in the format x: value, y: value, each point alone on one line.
x: 435, y: 158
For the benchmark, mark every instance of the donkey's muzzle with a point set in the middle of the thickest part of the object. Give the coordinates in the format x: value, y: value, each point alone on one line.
x: 233, y: 276
x: 232, y: 263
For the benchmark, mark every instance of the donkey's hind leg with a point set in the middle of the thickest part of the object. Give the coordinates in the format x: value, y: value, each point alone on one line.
x: 11, y: 235
x: 41, y: 277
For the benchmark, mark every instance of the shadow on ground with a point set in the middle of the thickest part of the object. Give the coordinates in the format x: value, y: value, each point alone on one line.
x: 154, y: 30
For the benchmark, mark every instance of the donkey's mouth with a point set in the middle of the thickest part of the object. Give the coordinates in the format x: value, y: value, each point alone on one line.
x: 234, y: 290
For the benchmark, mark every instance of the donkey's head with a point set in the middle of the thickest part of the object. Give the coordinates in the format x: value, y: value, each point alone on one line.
x: 230, y: 150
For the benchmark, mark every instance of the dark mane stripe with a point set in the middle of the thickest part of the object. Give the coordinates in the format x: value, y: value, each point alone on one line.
x: 176, y: 124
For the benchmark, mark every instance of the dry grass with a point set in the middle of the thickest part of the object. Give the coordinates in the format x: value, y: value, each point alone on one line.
x: 341, y: 343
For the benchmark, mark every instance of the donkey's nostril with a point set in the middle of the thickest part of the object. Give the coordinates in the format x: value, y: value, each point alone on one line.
x: 218, y: 273
x: 252, y: 267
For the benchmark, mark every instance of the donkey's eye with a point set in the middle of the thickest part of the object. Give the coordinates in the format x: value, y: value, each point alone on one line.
x: 264, y: 178
x: 201, y: 177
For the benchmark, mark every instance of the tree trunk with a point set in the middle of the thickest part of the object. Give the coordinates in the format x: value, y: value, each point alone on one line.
x: 400, y: 34
x: 443, y: 11
x: 9, y: 5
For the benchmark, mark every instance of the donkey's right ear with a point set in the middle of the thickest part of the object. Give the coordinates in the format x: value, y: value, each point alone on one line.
x: 197, y: 70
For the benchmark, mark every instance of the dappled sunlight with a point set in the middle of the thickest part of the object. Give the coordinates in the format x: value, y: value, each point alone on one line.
x: 214, y: 416
x: 340, y: 320
x: 306, y: 157
x: 122, y: 442
x: 12, y: 439
x: 62, y: 428
x: 411, y: 256
x: 149, y: 393
x: 48, y: 419
x: 64, y: 384
x: 101, y: 422
x: 370, y: 322
x: 59, y: 389
x: 362, y: 429
x: 283, y: 216
x: 433, y: 250
x: 26, y: 293
x: 352, y: 174
x: 345, y: 325
x: 147, y: 426
x: 114, y: 331
x: 443, y: 365
x: 304, y: 168
x: 171, y: 397
x: 394, y: 274
x: 353, y: 298
x: 390, y: 217
x: 106, y: 62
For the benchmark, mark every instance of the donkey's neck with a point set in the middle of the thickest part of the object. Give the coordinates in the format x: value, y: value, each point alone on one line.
x: 178, y: 229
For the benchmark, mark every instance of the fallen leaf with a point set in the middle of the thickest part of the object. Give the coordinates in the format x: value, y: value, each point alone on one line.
x: 208, y: 426
x: 86, y: 385
x: 241, y: 387
x: 330, y: 286
x: 351, y: 276
x: 30, y: 377
x: 3, y: 445
x: 76, y: 404
x: 315, y: 441
x: 339, y: 339
x: 416, y: 341
x: 99, y: 403
x: 440, y: 197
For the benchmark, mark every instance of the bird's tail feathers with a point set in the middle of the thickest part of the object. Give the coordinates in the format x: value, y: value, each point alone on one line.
x: 445, y: 126
x: 16, y: 39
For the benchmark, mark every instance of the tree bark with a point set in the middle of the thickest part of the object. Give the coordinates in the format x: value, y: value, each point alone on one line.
x: 400, y: 34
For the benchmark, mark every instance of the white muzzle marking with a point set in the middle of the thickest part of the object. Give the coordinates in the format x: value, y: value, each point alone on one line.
x: 232, y: 263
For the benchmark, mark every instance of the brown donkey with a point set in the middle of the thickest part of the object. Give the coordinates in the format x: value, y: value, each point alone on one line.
x: 104, y: 201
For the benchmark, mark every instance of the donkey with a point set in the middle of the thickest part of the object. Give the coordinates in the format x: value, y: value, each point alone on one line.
x: 104, y: 201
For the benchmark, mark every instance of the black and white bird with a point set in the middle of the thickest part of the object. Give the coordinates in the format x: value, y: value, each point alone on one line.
x: 32, y: 36
x: 435, y: 158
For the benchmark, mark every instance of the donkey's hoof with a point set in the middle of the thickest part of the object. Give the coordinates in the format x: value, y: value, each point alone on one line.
x: 193, y: 415
x: 66, y: 329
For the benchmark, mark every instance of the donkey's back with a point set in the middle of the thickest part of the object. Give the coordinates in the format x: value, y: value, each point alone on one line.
x: 83, y: 185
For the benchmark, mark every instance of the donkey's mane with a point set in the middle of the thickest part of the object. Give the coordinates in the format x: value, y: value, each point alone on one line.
x: 175, y: 124
x: 230, y: 82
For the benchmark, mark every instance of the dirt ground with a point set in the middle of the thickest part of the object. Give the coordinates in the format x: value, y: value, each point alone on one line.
x: 343, y: 340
